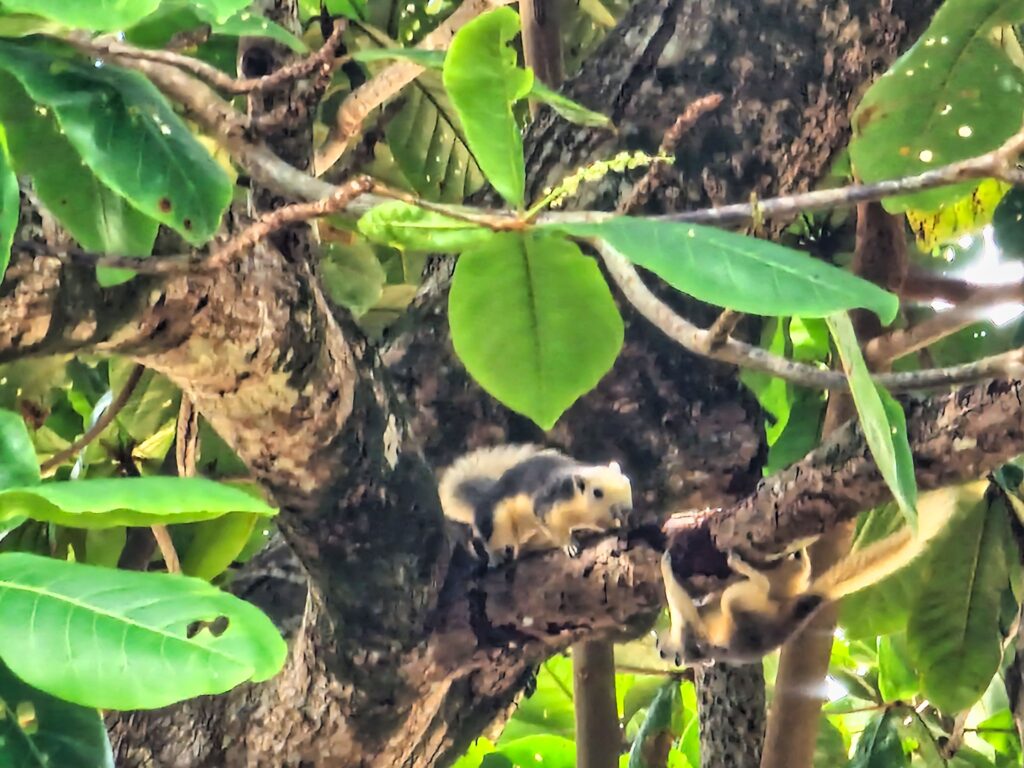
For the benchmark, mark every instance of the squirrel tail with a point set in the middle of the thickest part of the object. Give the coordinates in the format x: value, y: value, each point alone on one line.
x: 471, y: 475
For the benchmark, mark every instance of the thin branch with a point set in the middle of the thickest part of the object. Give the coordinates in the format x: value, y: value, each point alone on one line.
x: 388, y: 82
x: 165, y: 544
x: 722, y: 328
x: 997, y: 164
x: 101, y: 423
x: 696, y: 340
x: 323, y: 58
x: 289, y: 214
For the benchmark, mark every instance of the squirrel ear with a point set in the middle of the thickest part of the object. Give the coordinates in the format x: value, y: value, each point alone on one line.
x: 614, y: 467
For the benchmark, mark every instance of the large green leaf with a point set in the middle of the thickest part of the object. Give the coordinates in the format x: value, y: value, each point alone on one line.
x: 879, y: 744
x: 216, y: 543
x: 96, y: 216
x: 18, y: 463
x: 40, y: 731
x: 127, y: 134
x: 897, y: 679
x: 550, y: 709
x: 402, y: 225
x: 953, y: 635
x: 738, y: 272
x: 246, y: 24
x: 219, y: 11
x: 98, y: 15
x: 656, y: 732
x: 881, y: 419
x: 533, y: 321
x: 114, y: 639
x: 483, y: 81
x: 10, y: 203
x: 541, y: 751
x: 953, y: 95
x: 133, y: 501
x: 884, y: 607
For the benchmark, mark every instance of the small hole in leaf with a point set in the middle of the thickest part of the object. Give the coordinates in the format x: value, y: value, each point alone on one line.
x: 187, y: 223
x: 217, y: 627
x: 165, y: 204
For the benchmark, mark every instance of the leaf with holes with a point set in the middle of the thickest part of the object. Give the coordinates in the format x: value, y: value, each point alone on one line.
x: 953, y: 635
x: 127, y: 134
x: 10, y: 203
x: 738, y: 272
x: 97, y: 15
x: 955, y: 94
x: 115, y: 639
x: 247, y: 24
x: 533, y: 321
x: 133, y: 501
x: 97, y: 217
x: 881, y: 419
x: 40, y: 731
x: 483, y: 82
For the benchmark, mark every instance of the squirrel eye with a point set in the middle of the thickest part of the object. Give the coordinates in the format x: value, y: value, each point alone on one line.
x: 598, y: 493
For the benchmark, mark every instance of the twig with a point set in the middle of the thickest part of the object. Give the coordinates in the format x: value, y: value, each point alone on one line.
x: 289, y: 214
x: 690, y: 337
x: 101, y: 423
x: 722, y: 328
x: 323, y: 58
x: 165, y: 544
x: 997, y: 164
x: 388, y: 82
x: 186, y: 440
x: 542, y: 43
x: 642, y: 190
x: 173, y: 264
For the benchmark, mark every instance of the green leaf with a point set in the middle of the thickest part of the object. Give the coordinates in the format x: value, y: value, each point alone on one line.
x: 97, y: 15
x: 742, y: 273
x: 18, y: 463
x: 881, y: 419
x: 541, y: 751
x: 953, y: 635
x: 133, y: 501
x: 884, y: 607
x: 650, y: 747
x: 97, y: 217
x: 40, y: 731
x: 533, y: 321
x: 897, y: 680
x: 477, y: 751
x: 830, y: 747
x: 879, y: 744
x: 103, y: 546
x: 114, y: 639
x: 128, y: 135
x: 550, y: 709
x: 952, y: 96
x: 567, y: 108
x: 216, y: 543
x: 402, y: 225
x: 425, y: 58
x: 246, y: 24
x: 483, y: 82
x: 219, y: 11
x: 10, y: 203
x: 352, y: 275
x: 24, y: 24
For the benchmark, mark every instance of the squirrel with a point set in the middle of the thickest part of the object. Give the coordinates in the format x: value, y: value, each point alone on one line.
x: 753, y: 617
x: 518, y: 497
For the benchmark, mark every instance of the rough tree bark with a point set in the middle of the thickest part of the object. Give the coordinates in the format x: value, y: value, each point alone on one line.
x: 404, y: 652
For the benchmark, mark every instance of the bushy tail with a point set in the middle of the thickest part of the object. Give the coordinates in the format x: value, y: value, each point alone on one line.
x: 876, y: 561
x: 472, y: 474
